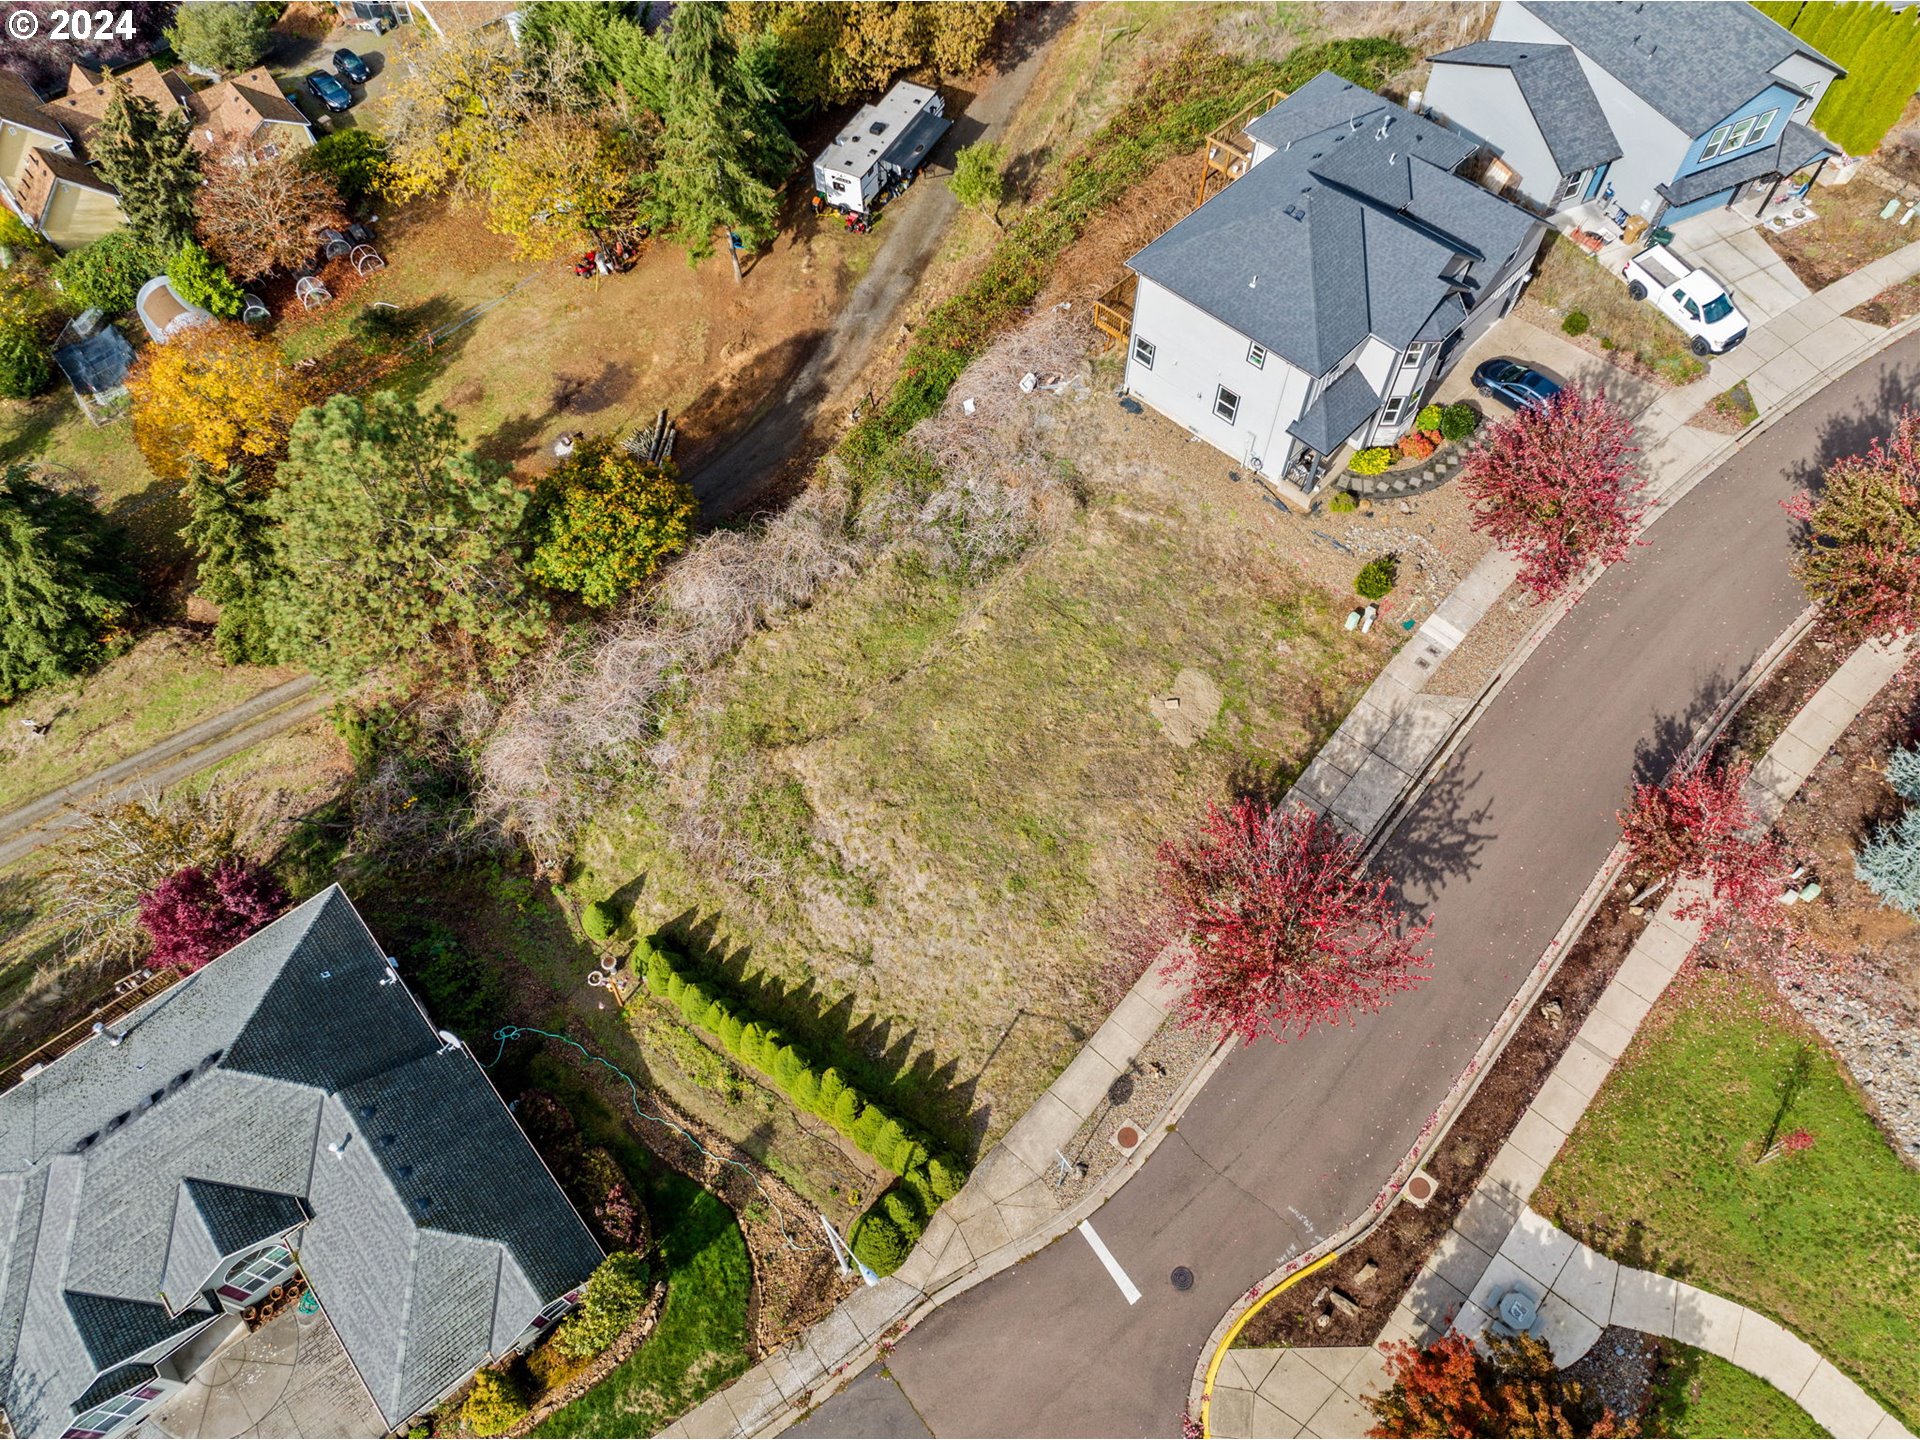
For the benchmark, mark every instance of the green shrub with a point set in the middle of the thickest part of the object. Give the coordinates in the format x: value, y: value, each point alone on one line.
x: 462, y: 992
x: 1428, y: 418
x: 846, y: 1111
x: 497, y: 1402
x: 600, y: 920
x: 24, y: 366
x: 352, y: 159
x: 878, y: 1241
x: 901, y: 1212
x: 1371, y: 461
x: 14, y: 233
x: 1377, y: 577
x: 1576, y: 322
x: 694, y: 1002
x: 1458, y: 421
x: 1343, y: 502
x: 107, y: 274
x: 832, y: 1087
x: 616, y: 1294
x: 944, y: 1179
x: 199, y: 279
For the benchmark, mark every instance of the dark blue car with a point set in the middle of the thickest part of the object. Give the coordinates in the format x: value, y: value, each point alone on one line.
x: 1513, y: 384
x: 330, y: 92
x: 350, y: 67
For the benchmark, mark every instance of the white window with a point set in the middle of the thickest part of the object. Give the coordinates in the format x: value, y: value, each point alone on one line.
x: 1391, y: 412
x: 1257, y: 356
x: 1415, y: 357
x: 1571, y: 186
x: 252, y: 1274
x: 1226, y: 404
x: 1761, y: 127
x: 1143, y: 351
x: 1733, y: 135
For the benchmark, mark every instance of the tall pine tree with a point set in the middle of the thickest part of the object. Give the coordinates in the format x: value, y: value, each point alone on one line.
x: 721, y: 143
x: 395, y: 546
x: 63, y: 590
x: 146, y: 156
x: 227, y: 533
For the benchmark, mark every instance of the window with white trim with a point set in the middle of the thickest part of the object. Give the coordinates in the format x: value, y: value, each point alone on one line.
x: 1391, y: 412
x: 1144, y: 351
x: 1226, y: 404
x: 1415, y: 357
x: 1760, y: 127
x: 1738, y: 133
x: 1257, y: 356
x: 251, y: 1274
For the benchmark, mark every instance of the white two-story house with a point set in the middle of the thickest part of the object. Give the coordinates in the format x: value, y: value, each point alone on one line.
x: 1315, y: 300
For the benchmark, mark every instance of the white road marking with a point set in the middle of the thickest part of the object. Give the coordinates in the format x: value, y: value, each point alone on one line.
x: 1127, y: 1287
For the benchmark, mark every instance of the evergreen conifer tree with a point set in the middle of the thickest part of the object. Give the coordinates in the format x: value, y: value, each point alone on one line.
x: 226, y: 532
x: 63, y: 590
x: 1890, y: 863
x: 147, y: 157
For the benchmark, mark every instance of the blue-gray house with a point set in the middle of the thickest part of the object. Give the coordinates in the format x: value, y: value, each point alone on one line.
x: 1661, y: 110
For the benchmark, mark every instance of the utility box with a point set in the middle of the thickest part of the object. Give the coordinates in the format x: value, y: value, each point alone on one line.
x: 883, y: 147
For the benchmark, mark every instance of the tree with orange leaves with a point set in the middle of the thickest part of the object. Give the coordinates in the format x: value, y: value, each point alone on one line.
x: 217, y: 394
x: 1451, y: 1388
x: 258, y: 213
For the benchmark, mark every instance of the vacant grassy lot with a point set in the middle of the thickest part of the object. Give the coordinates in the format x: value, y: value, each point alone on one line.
x: 1628, y: 332
x: 169, y: 680
x: 1661, y: 1173
x: 1700, y: 1396
x: 943, y: 793
x: 54, y: 435
x: 1848, y: 234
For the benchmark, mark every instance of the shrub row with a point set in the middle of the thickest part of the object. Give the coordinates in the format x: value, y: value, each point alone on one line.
x: 1878, y: 45
x: 819, y: 1092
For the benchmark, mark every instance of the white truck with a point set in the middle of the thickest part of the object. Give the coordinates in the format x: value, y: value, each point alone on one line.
x: 1691, y: 298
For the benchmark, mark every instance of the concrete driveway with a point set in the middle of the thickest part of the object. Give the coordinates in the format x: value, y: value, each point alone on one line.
x: 291, y: 1377
x: 1554, y: 356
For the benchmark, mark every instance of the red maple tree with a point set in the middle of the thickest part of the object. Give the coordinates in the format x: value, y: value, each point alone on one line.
x: 1697, y: 823
x: 1283, y: 930
x: 1451, y: 1388
x: 194, y: 914
x: 1557, y: 485
x: 1860, y: 554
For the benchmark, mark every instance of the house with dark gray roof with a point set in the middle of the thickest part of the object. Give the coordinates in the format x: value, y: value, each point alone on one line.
x: 1659, y: 110
x: 1315, y: 300
x: 287, y: 1108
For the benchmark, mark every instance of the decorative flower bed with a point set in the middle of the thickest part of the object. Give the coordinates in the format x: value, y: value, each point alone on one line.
x: 1426, y: 456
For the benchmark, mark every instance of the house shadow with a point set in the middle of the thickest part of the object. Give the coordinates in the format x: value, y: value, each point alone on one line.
x: 875, y: 1054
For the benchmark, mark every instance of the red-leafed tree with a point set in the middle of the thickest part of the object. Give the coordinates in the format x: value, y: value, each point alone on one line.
x: 1451, y: 1388
x: 1698, y: 823
x: 1283, y: 930
x: 194, y: 914
x: 1558, y: 486
x: 1860, y: 557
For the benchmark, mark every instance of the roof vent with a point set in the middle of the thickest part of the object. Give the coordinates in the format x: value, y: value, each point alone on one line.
x: 1393, y: 156
x: 878, y: 127
x: 405, y: 1172
x: 425, y: 1202
x: 1255, y: 281
x: 1385, y: 123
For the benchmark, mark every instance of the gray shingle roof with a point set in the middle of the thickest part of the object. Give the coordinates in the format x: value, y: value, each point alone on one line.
x: 1344, y: 231
x: 1694, y: 63
x: 124, y: 1168
x: 1797, y: 148
x: 1336, y: 413
x: 1556, y: 91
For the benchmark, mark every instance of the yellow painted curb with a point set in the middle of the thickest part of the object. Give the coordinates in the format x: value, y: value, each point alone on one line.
x: 1220, y: 1353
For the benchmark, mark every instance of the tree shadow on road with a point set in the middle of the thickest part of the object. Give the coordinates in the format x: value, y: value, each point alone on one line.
x: 1440, y: 837
x: 1850, y: 432
x: 1662, y: 747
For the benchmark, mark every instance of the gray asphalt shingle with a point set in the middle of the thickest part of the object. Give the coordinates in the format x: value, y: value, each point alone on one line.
x: 1694, y: 63
x: 1336, y: 413
x: 1556, y: 91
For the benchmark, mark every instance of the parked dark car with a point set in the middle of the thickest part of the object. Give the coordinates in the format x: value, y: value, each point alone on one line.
x: 329, y: 91
x: 1513, y: 384
x: 350, y: 67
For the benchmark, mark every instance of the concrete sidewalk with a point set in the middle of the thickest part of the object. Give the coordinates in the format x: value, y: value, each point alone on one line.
x: 1497, y: 1243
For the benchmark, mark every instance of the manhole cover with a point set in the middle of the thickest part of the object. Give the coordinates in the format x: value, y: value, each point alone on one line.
x: 1420, y: 1189
x: 1182, y: 1278
x: 1126, y: 1137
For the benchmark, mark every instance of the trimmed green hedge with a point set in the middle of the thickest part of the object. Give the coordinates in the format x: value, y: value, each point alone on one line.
x: 886, y: 1233
x: 1879, y: 47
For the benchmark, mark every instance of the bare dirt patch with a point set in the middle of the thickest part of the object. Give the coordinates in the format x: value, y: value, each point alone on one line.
x: 1728, y: 413
x: 1891, y: 306
x: 1848, y: 234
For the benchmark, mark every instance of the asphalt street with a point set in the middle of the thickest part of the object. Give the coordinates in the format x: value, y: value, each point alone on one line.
x: 1290, y: 1142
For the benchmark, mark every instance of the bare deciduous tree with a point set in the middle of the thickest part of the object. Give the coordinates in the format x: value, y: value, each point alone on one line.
x: 258, y: 213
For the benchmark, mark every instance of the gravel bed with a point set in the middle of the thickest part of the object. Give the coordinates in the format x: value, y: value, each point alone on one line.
x: 1140, y: 1097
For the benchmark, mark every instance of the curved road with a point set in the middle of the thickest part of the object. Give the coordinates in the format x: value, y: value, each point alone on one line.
x: 1289, y: 1142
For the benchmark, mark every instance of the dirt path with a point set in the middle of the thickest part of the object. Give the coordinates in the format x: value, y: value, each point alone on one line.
x: 732, y: 477
x: 24, y: 830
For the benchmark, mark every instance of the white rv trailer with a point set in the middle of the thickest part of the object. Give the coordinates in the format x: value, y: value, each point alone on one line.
x: 884, y: 143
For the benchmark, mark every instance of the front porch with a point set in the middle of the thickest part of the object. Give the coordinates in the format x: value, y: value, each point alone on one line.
x: 1726, y: 243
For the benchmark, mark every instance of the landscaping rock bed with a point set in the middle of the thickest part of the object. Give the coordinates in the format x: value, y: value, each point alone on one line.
x: 1429, y: 474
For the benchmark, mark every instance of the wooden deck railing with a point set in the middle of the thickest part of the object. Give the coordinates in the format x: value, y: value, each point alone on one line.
x: 1230, y: 149
x: 128, y: 999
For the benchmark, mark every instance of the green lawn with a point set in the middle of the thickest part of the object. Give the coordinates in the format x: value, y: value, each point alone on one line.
x: 1661, y: 1174
x: 1700, y: 1395
x: 700, y: 1342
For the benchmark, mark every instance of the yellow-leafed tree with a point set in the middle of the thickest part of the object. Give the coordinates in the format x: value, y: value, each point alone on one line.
x: 217, y: 394
x: 565, y: 181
